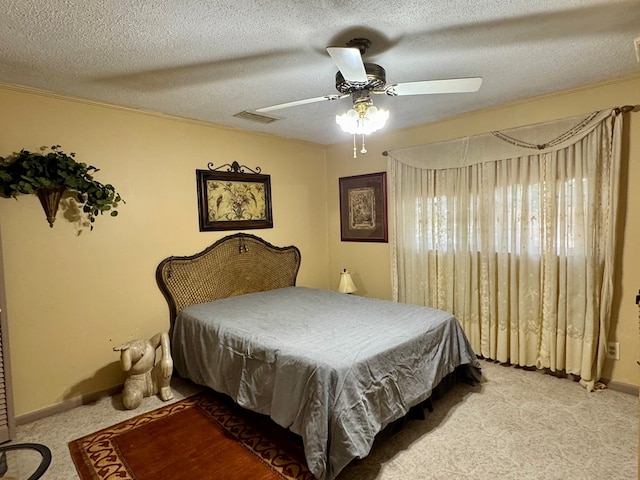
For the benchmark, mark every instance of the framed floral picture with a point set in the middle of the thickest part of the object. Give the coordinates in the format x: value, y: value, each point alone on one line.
x: 233, y: 200
x: 363, y: 208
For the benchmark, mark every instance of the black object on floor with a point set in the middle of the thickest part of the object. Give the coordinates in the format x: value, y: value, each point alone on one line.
x: 41, y: 449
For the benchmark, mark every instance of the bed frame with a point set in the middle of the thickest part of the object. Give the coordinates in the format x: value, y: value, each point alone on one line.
x: 234, y: 265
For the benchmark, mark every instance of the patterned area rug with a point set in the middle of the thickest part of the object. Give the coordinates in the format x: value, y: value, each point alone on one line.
x: 205, y: 436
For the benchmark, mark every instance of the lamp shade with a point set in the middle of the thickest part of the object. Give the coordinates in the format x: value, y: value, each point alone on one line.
x: 346, y: 284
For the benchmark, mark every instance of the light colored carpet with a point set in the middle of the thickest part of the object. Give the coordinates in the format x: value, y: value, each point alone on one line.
x: 513, y: 425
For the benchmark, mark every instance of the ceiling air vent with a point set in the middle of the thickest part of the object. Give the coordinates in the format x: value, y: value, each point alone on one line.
x: 255, y: 117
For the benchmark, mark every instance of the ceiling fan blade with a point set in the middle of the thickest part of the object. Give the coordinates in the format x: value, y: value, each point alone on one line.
x: 349, y: 62
x: 299, y: 102
x: 453, y: 85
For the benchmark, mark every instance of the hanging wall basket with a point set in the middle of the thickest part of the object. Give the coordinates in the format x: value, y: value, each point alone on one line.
x: 50, y: 200
x: 49, y: 175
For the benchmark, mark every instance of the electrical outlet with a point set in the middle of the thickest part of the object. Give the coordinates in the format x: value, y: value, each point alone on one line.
x: 613, y: 350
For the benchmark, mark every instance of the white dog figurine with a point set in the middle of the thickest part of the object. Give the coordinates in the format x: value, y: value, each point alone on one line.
x: 145, y: 376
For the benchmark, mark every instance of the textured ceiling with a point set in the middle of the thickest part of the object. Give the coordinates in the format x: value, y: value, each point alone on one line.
x: 208, y: 60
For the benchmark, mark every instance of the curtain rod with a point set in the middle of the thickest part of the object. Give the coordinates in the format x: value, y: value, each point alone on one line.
x: 617, y: 110
x: 624, y: 109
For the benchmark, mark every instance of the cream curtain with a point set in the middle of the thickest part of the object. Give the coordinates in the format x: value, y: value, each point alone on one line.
x: 514, y: 232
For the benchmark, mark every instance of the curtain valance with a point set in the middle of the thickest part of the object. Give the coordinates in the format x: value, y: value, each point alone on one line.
x: 516, y: 142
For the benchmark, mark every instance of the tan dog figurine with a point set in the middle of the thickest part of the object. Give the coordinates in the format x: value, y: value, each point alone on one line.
x: 145, y: 377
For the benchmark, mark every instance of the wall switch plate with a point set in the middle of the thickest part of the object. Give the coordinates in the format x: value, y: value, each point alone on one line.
x: 636, y: 44
x: 613, y: 350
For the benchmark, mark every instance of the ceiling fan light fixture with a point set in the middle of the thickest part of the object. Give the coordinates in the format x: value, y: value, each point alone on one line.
x: 363, y: 119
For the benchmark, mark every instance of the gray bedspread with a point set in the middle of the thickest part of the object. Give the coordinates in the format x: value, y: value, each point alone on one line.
x: 333, y: 368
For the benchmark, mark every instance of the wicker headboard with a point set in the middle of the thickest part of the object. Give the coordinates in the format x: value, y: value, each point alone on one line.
x: 234, y: 265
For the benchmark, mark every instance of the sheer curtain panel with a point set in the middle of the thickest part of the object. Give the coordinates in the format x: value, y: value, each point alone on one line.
x: 514, y: 232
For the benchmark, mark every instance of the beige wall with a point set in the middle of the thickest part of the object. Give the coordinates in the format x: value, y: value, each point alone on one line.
x: 369, y: 263
x: 71, y: 298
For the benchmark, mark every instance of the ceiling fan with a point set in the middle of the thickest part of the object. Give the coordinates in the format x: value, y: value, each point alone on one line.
x: 359, y: 80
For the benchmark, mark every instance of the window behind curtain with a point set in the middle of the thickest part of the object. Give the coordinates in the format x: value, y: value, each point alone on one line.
x: 519, y: 247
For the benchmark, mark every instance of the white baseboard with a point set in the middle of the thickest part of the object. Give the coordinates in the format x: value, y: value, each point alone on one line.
x: 67, y: 405
x: 623, y: 387
x: 94, y: 397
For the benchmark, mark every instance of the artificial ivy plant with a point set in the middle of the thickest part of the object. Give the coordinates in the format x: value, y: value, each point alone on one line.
x: 50, y: 173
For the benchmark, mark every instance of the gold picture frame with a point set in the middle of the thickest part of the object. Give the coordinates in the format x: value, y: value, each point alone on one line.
x: 363, y: 208
x: 233, y: 199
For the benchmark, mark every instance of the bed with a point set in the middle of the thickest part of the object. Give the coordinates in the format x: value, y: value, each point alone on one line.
x: 332, y: 368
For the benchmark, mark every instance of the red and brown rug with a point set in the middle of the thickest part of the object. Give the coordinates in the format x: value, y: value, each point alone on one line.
x: 205, y: 436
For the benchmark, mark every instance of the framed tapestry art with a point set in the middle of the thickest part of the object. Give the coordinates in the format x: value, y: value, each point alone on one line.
x: 363, y: 208
x: 233, y: 199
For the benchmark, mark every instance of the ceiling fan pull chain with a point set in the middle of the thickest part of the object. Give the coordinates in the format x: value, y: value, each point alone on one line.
x: 364, y: 150
x: 355, y: 149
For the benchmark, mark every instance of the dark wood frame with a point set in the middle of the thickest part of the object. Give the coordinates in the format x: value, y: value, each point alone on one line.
x: 203, y: 177
x: 237, y: 264
x: 373, y: 187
